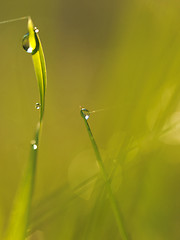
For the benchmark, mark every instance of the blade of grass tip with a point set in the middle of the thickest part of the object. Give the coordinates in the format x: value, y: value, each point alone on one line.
x: 39, y: 63
x: 85, y: 115
x: 19, y: 218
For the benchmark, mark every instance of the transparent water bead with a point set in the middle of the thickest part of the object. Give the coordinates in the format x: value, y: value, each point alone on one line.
x: 37, y: 106
x: 86, y: 113
x: 25, y: 42
x: 34, y: 145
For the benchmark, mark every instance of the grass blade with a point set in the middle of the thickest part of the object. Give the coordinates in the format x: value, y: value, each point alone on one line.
x: 85, y: 115
x: 39, y: 65
x: 21, y: 210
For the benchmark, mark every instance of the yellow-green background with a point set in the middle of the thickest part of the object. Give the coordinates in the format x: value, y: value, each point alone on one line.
x: 121, y: 57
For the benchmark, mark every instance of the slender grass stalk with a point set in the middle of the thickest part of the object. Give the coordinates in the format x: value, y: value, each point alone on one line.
x: 85, y: 115
x: 19, y: 218
x: 14, y: 20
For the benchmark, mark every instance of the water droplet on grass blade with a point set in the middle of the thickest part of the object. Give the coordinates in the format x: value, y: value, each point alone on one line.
x: 25, y: 42
x: 37, y: 106
x: 34, y: 145
x: 36, y: 29
x: 85, y: 112
x: 87, y: 116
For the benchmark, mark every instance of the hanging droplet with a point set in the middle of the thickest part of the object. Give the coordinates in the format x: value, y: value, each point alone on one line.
x: 85, y: 113
x: 36, y: 29
x: 37, y: 106
x: 25, y: 42
x: 34, y: 145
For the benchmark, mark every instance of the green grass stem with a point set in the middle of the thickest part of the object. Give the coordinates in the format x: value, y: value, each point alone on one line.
x: 113, y: 202
x: 19, y: 219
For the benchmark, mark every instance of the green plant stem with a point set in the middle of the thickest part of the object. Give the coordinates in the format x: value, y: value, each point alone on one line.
x: 112, y: 199
x: 19, y: 219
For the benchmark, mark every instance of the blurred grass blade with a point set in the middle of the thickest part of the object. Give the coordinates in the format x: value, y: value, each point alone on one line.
x: 21, y: 209
x: 20, y: 213
x: 85, y: 115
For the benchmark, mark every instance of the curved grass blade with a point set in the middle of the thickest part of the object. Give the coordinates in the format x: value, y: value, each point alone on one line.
x: 19, y: 218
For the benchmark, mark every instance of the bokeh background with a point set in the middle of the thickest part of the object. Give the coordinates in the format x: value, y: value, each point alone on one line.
x: 120, y: 59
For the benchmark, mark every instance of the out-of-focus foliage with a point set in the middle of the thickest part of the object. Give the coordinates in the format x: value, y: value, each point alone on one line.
x: 119, y: 56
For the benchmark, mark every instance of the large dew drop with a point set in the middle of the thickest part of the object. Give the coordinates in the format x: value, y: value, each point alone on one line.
x: 86, y: 113
x: 25, y: 42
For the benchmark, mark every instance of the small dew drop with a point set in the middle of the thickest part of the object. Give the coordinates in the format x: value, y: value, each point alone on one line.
x: 34, y: 145
x: 37, y: 106
x: 36, y: 30
x: 86, y: 113
x: 87, y: 117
